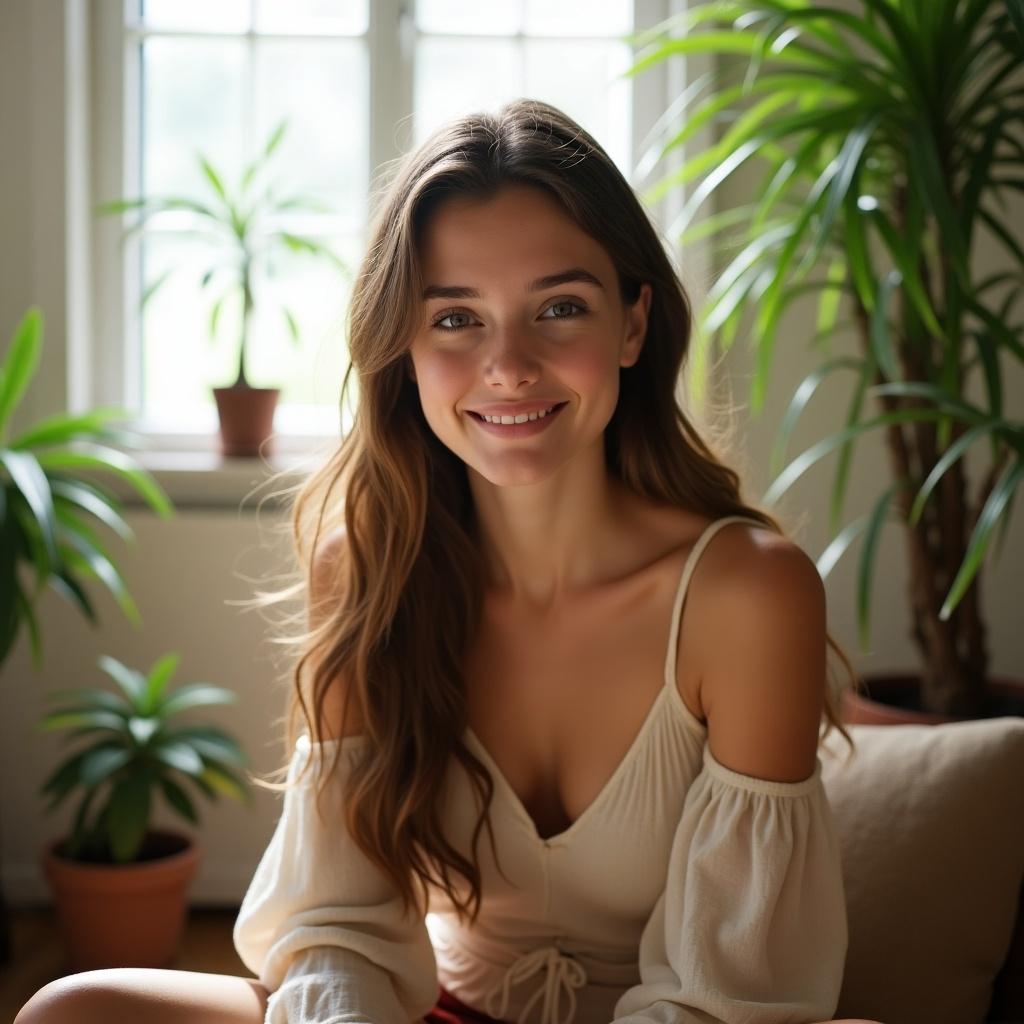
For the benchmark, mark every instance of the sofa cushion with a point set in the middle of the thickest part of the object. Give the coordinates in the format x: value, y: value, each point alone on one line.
x: 931, y: 830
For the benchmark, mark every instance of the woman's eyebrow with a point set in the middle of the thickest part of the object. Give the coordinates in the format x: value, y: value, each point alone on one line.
x: 439, y: 291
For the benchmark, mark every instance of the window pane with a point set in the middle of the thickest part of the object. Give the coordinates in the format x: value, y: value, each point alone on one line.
x: 578, y: 17
x: 342, y: 17
x: 590, y: 95
x: 197, y: 15
x: 179, y: 362
x: 322, y: 88
x: 497, y: 17
x: 455, y: 76
x: 309, y: 371
x: 192, y: 101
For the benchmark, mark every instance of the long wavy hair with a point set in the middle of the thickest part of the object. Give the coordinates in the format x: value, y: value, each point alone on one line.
x: 402, y: 498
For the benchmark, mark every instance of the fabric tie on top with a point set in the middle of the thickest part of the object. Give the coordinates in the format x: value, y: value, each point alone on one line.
x: 562, y: 971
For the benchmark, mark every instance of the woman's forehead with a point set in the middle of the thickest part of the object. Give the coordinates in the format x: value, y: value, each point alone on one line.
x: 505, y: 240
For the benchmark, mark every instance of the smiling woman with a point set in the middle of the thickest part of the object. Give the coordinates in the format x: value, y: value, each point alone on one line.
x: 497, y: 641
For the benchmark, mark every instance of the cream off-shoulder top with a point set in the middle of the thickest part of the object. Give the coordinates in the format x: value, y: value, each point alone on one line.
x: 686, y: 893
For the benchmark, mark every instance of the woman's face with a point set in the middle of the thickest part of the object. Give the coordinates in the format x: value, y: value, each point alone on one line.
x: 518, y: 339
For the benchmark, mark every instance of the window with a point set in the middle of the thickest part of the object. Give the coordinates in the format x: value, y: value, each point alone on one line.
x: 358, y: 83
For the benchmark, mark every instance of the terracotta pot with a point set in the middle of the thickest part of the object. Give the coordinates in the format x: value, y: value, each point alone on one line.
x: 894, y: 700
x: 246, y: 419
x: 123, y: 915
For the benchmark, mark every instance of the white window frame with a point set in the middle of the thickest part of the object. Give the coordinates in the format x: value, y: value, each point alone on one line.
x: 102, y: 359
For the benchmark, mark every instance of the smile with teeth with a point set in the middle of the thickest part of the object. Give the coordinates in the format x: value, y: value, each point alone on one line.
x: 521, y: 418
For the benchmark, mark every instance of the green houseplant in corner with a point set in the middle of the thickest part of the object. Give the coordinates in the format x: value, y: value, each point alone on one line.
x: 120, y: 885
x: 49, y: 501
x: 239, y: 223
x: 890, y: 138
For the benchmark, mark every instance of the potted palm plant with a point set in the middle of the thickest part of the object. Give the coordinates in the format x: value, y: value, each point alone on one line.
x: 889, y: 133
x: 49, y: 501
x: 237, y: 221
x: 120, y: 885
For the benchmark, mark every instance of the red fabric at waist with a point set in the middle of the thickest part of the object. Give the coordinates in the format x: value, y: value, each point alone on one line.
x: 450, y: 1010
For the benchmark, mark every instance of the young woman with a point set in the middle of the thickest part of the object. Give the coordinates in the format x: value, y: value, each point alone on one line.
x: 495, y: 584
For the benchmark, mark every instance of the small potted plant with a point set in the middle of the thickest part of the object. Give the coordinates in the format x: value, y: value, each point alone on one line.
x: 237, y: 220
x: 49, y: 504
x: 889, y: 133
x: 119, y: 884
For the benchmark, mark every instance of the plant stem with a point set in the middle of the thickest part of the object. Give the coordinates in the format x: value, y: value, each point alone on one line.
x: 247, y: 304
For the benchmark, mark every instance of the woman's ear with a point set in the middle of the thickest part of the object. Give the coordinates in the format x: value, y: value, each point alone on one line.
x: 636, y: 326
x: 409, y: 368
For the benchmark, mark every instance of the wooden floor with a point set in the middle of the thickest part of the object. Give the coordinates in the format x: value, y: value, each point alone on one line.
x: 38, y: 957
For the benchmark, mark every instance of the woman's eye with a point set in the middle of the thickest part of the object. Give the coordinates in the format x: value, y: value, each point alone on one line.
x: 440, y: 325
x: 566, y: 316
x: 447, y: 316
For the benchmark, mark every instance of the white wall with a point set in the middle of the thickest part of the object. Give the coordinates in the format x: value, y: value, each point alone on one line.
x: 185, y: 573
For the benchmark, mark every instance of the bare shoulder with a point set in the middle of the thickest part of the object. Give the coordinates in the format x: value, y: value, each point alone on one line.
x: 763, y: 668
x: 326, y: 582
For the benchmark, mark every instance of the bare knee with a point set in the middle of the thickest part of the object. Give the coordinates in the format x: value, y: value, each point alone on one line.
x: 850, y: 1020
x: 149, y: 995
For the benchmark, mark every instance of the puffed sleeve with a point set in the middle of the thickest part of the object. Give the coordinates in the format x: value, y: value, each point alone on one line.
x: 751, y: 927
x: 321, y: 926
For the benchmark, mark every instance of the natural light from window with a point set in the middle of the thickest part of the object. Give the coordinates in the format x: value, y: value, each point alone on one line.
x: 216, y: 78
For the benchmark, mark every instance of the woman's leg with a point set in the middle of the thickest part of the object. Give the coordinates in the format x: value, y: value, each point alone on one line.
x: 148, y: 995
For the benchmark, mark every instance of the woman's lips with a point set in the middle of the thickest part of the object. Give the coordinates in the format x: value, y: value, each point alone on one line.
x: 512, y: 430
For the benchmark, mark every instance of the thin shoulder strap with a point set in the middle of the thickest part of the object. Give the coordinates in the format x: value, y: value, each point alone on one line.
x: 684, y: 581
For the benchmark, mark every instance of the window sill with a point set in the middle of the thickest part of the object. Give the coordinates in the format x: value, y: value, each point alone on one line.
x: 207, y: 479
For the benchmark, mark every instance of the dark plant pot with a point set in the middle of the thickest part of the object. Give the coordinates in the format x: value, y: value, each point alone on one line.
x: 895, y: 700
x: 123, y: 915
x: 246, y: 419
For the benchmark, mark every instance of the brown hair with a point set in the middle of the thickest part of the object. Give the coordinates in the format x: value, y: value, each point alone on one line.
x: 394, y: 635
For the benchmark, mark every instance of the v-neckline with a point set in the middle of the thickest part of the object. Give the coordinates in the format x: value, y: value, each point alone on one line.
x: 590, y: 809
x: 669, y: 686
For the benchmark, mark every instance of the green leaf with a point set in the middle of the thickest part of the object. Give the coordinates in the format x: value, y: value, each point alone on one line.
x: 211, y: 175
x: 881, y: 342
x: 224, y: 781
x: 85, y: 498
x: 865, y: 569
x: 159, y: 676
x: 143, y: 729
x: 907, y: 264
x: 178, y: 799
x: 803, y: 394
x: 153, y: 287
x: 844, y: 177
x: 293, y: 327
x: 925, y: 163
x: 62, y: 428
x: 211, y: 743
x: 30, y: 480
x: 805, y: 460
x: 827, y: 560
x: 922, y: 389
x: 178, y: 755
x: 110, y: 459
x: 20, y: 364
x: 127, y: 816
x: 131, y: 681
x: 195, y: 695
x: 98, y: 720
x: 101, y: 700
x: 978, y: 544
x: 949, y: 456
x: 101, y: 763
x: 843, y: 463
x: 99, y: 564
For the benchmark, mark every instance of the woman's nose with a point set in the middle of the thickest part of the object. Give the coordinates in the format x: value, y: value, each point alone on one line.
x: 511, y: 355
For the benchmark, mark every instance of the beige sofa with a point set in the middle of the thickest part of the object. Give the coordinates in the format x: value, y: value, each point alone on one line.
x: 931, y: 826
